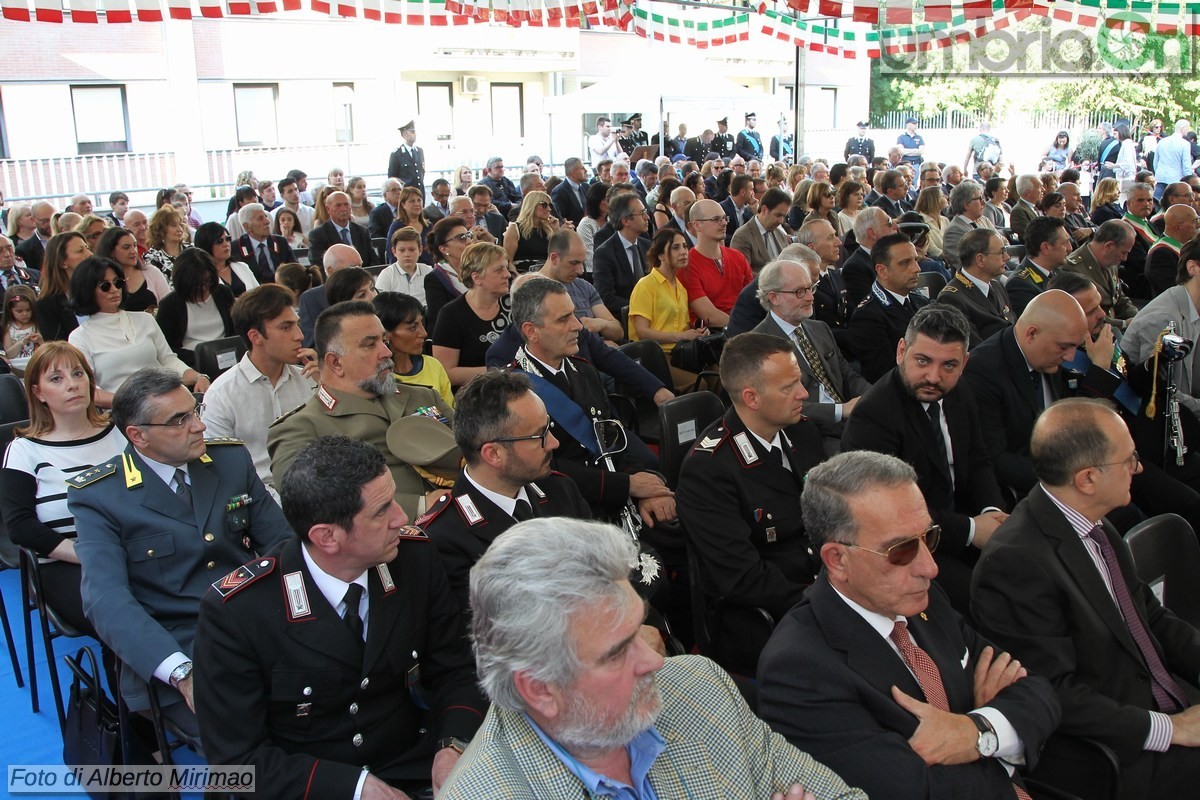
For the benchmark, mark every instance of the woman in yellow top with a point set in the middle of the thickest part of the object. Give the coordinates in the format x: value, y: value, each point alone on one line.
x: 403, y: 318
x: 658, y: 305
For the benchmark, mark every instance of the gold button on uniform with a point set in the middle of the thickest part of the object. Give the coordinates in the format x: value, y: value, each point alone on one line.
x: 150, y: 552
x: 208, y: 537
x: 212, y: 565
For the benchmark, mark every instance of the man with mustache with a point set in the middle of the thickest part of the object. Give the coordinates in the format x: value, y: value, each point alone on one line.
x: 358, y: 397
x: 583, y: 706
x: 918, y: 412
x: 306, y: 675
x: 504, y: 433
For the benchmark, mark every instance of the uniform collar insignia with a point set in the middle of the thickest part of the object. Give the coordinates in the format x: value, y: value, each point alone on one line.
x: 467, y: 506
x: 297, y: 596
x: 385, y: 578
x: 329, y: 401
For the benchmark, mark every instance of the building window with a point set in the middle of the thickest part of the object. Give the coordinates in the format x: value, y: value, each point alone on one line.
x: 254, y: 106
x: 508, y: 109
x: 435, y: 107
x: 101, y: 119
x: 343, y: 112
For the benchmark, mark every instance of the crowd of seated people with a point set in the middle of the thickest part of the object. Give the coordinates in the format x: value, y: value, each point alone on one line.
x: 886, y: 397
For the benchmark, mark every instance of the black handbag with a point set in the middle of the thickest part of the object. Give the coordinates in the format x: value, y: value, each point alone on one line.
x: 92, y: 733
x: 695, y: 355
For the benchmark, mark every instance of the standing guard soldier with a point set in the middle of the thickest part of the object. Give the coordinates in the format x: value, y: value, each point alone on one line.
x: 407, y: 163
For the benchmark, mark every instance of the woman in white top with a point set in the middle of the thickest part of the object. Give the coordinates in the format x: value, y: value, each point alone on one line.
x: 212, y: 238
x: 199, y: 308
x: 593, y: 220
x: 65, y: 436
x: 850, y: 201
x: 1126, y: 167
x: 406, y: 274
x: 118, y: 343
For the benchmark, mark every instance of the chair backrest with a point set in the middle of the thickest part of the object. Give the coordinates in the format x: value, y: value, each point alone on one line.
x: 1167, y: 557
x: 681, y: 420
x: 14, y: 405
x: 930, y: 283
x: 213, y: 358
x: 10, y: 557
x: 375, y: 270
x: 651, y: 357
x: 379, y: 245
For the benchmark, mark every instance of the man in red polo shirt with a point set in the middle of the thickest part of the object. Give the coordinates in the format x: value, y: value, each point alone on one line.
x: 715, y: 274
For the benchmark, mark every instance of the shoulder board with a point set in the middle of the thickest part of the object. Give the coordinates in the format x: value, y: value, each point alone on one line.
x: 709, y: 444
x: 949, y: 289
x: 287, y: 414
x: 223, y: 440
x: 431, y: 514
x: 413, y: 534
x: 1023, y: 272
x: 92, y: 475
x: 243, y: 576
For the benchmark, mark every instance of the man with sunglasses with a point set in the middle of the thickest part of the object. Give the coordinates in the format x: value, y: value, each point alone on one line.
x: 157, y: 525
x: 508, y: 442
x: 1057, y: 584
x: 739, y: 496
x: 875, y: 674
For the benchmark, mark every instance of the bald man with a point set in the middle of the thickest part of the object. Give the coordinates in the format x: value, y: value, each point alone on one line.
x: 340, y: 228
x: 33, y: 249
x: 1162, y: 261
x: 1016, y: 373
x: 137, y: 222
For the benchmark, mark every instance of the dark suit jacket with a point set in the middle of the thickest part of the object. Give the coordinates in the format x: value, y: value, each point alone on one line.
x: 288, y: 693
x: 830, y: 302
x: 695, y: 150
x: 1009, y: 403
x: 735, y: 221
x: 1162, y: 265
x: 409, y: 168
x: 505, y: 193
x: 747, y: 311
x: 825, y: 682
x: 887, y: 419
x: 891, y: 207
x: 1037, y: 591
x: 858, y: 276
x: 877, y: 326
x: 567, y: 203
x: 986, y: 315
x: 462, y: 537
x: 848, y: 383
x: 172, y: 318
x: 322, y: 237
x: 312, y: 302
x: 1024, y: 285
x: 31, y: 252
x: 278, y: 250
x: 612, y: 274
x: 55, y: 319
x: 380, y: 220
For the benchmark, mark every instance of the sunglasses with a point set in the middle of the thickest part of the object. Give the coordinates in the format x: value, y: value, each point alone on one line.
x: 463, y: 237
x: 105, y: 286
x: 902, y: 553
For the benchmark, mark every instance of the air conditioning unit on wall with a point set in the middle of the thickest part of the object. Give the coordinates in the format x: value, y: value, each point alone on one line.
x: 472, y: 84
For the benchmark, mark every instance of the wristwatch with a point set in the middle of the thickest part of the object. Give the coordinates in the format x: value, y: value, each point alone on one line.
x: 454, y: 743
x: 988, y: 743
x: 180, y: 673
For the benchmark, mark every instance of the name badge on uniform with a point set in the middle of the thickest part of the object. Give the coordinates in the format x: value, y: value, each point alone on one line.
x: 385, y: 577
x: 745, y: 448
x: 469, y: 510
x: 297, y: 596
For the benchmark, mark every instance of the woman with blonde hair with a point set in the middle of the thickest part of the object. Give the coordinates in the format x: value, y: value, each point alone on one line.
x: 360, y: 206
x: 21, y: 224
x: 65, y: 436
x: 465, y: 177
x: 92, y: 227
x: 929, y: 205
x: 1104, y: 201
x: 320, y: 214
x: 469, y: 324
x: 527, y: 239
x: 166, y: 238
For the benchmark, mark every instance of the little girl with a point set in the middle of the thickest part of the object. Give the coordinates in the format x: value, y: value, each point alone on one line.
x: 20, y: 324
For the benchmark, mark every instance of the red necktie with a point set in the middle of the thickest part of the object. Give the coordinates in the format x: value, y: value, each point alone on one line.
x: 922, y: 666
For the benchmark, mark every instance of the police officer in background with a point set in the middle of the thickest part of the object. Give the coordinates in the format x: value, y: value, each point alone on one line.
x: 860, y: 145
x: 316, y: 662
x: 505, y: 435
x: 632, y: 136
x: 723, y: 142
x: 407, y: 163
x: 157, y: 524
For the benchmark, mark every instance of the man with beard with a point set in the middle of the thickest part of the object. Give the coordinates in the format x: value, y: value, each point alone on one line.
x: 581, y: 703
x: 504, y: 433
x: 358, y: 397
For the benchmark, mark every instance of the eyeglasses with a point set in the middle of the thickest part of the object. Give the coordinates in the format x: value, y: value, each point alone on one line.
x: 181, y: 422
x: 902, y: 553
x: 722, y: 219
x: 803, y: 291
x: 105, y: 286
x: 224, y: 240
x: 543, y: 204
x: 463, y: 237
x: 540, y: 438
x: 1000, y: 252
x: 1132, y: 462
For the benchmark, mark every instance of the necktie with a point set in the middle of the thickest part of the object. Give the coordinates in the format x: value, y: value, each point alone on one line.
x: 922, y: 666
x: 908, y: 306
x: 782, y: 456
x: 1167, y: 694
x: 345, y: 232
x: 634, y: 260
x: 935, y: 419
x: 353, y: 621
x: 582, y: 197
x: 182, y: 490
x: 10, y: 278
x: 772, y: 247
x: 523, y: 511
x: 814, y: 363
x: 264, y: 261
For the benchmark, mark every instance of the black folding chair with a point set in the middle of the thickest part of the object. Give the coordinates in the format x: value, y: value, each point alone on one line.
x: 213, y: 358
x: 1167, y: 557
x: 52, y: 626
x: 681, y: 420
x: 14, y: 405
x: 10, y: 558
